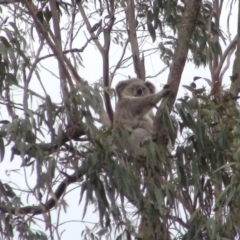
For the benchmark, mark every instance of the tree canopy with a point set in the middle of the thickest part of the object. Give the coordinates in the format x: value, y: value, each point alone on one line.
x: 57, y: 142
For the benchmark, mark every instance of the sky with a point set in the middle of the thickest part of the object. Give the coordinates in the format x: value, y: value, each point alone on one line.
x: 92, y: 72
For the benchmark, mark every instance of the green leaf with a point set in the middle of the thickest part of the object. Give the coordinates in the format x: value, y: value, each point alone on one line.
x: 151, y: 31
x: 50, y: 109
x: 150, y: 16
x: 191, y: 89
x: 5, y: 42
x: 47, y: 14
x: 14, y: 26
x: 2, y: 149
x: 40, y: 16
x: 95, y: 27
x: 102, y: 231
x: 11, y: 79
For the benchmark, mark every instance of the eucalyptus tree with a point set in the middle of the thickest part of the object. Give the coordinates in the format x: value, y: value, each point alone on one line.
x: 56, y: 121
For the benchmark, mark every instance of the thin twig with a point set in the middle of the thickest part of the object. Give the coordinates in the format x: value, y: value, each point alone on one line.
x: 33, y: 11
x: 119, y: 61
x: 93, y: 35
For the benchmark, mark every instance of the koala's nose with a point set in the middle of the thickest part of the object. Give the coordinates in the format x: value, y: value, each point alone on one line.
x: 139, y: 91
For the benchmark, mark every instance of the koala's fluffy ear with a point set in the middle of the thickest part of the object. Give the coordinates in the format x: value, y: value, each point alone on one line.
x: 150, y: 86
x: 120, y: 86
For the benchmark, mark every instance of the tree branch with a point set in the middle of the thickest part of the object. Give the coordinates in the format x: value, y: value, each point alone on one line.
x: 41, y: 29
x: 235, y: 89
x: 42, y: 208
x: 131, y: 21
x: 73, y: 50
x: 185, y: 30
x: 105, y: 56
x: 9, y: 1
x: 58, y: 42
x: 230, y: 47
x: 104, y: 50
x: 119, y: 61
x: 71, y: 133
x: 88, y: 25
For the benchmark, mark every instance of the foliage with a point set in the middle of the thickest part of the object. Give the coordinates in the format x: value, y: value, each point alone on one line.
x: 56, y: 123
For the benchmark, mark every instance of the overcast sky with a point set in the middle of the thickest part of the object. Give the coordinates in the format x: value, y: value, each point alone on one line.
x: 91, y: 73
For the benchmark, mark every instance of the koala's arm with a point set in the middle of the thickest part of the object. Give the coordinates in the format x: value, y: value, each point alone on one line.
x: 141, y: 106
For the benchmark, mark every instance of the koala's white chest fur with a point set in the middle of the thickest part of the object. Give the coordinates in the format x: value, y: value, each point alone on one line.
x: 149, y: 119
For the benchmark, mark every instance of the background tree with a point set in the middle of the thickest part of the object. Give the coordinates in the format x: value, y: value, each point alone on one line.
x: 67, y: 145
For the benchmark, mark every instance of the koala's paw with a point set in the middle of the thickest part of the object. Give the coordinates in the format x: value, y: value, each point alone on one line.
x: 154, y: 137
x: 166, y: 90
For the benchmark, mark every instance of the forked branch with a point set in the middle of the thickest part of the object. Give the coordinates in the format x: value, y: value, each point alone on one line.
x: 185, y: 31
x: 104, y: 50
x: 42, y: 208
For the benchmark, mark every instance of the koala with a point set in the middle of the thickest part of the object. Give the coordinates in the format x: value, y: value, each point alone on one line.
x: 136, y: 99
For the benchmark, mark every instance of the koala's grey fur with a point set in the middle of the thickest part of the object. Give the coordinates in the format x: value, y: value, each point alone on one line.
x: 136, y: 99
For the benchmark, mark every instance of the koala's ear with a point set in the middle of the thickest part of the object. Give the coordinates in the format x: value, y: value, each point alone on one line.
x: 120, y: 87
x: 150, y: 86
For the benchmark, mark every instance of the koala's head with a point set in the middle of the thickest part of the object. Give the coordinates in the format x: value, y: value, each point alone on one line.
x: 134, y: 88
